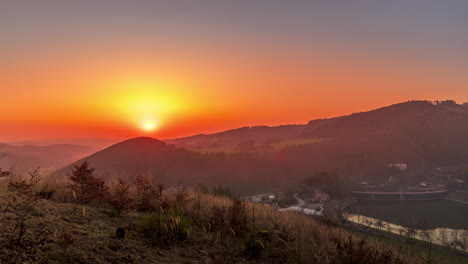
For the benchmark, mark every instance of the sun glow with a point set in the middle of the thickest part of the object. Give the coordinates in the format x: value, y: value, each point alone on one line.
x: 149, y: 125
x: 146, y: 103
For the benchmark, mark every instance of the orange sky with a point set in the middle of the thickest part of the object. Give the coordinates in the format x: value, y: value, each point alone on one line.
x: 63, y: 78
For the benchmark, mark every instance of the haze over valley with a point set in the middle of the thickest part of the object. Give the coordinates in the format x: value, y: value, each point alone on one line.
x: 227, y: 132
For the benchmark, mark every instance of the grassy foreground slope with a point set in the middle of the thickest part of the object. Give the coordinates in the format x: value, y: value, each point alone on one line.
x: 178, y: 226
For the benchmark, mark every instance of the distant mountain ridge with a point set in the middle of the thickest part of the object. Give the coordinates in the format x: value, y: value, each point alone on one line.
x: 28, y: 157
x: 96, y: 143
x: 394, y: 118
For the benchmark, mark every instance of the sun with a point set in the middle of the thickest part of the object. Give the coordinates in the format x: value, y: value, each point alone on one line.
x: 149, y: 125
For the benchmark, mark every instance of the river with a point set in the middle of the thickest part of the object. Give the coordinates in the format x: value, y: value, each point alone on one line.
x: 442, y: 222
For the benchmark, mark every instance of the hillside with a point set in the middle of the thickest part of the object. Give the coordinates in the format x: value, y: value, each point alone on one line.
x: 172, y: 165
x: 422, y: 134
x: 240, y: 139
x: 182, y: 227
x: 418, y: 120
x: 169, y: 164
x: 138, y: 155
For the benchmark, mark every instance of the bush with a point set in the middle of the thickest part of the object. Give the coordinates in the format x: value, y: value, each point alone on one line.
x: 218, y: 219
x: 165, y: 229
x: 256, y: 242
x: 180, y: 198
x: 237, y: 217
x: 22, y: 204
x: 229, y: 219
x: 148, y: 194
x: 120, y: 197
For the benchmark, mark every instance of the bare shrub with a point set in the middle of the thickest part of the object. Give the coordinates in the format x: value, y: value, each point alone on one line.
x: 179, y: 198
x: 120, y: 197
x: 218, y: 219
x: 148, y: 194
x: 22, y: 204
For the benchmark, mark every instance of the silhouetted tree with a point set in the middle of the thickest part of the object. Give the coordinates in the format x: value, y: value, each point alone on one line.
x: 87, y: 187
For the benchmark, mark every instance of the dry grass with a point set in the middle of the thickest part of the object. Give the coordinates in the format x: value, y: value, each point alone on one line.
x: 299, y: 238
x: 218, y: 230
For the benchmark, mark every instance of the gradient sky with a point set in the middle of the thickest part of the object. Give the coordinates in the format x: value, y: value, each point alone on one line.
x: 72, y: 69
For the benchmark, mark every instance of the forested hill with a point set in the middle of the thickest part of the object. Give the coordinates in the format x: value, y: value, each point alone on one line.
x: 422, y: 134
x: 419, y: 133
x: 409, y: 118
x: 172, y: 165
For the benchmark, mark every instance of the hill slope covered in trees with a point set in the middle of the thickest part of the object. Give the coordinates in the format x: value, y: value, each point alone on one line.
x: 425, y: 135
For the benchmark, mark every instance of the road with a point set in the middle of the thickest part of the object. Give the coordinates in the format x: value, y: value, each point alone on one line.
x: 300, y: 202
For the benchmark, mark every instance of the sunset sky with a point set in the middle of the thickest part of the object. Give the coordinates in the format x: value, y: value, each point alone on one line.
x: 77, y: 69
